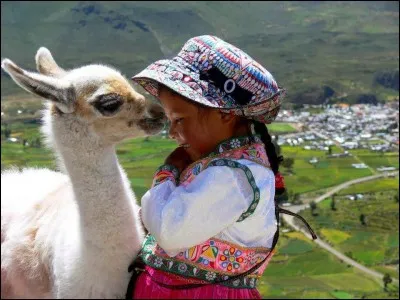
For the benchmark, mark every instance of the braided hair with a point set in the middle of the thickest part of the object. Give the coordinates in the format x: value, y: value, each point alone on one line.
x: 273, y: 157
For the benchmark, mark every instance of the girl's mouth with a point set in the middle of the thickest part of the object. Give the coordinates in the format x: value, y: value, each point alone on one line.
x: 184, y: 145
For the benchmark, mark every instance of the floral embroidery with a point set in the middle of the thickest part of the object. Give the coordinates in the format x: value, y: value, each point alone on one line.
x: 158, y: 262
x: 252, y: 282
x: 211, y: 276
x: 182, y: 267
x: 235, y: 143
x: 251, y: 258
x: 231, y: 259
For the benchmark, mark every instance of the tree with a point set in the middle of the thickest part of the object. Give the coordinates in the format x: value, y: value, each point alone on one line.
x: 313, y: 207
x: 386, y: 280
x: 290, y: 194
x: 7, y: 131
x: 288, y: 163
x: 296, y: 198
x: 330, y: 150
x: 362, y: 219
x: 333, y: 203
x: 349, y: 254
x: 38, y: 142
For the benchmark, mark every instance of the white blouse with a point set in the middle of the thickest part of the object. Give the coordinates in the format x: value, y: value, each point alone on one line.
x: 180, y: 217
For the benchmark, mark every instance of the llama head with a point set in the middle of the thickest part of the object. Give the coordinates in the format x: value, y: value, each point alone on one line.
x: 96, y: 96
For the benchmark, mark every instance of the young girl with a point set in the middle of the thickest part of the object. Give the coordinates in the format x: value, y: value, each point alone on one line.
x: 210, y: 213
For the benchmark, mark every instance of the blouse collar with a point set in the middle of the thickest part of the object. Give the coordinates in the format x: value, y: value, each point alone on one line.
x: 235, y: 143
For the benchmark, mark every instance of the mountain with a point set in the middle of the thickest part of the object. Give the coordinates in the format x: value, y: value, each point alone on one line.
x: 318, y: 50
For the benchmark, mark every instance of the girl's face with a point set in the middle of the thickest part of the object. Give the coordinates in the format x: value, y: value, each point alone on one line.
x: 198, y: 130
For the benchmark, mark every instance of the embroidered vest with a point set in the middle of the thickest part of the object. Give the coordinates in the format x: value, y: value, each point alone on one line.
x: 214, y: 259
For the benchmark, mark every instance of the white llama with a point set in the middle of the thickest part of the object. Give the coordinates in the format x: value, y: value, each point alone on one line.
x: 73, y: 234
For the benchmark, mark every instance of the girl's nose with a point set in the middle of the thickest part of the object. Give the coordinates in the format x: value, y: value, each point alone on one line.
x: 171, y: 132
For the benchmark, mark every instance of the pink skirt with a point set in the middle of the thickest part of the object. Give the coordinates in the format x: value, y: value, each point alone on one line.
x: 147, y: 288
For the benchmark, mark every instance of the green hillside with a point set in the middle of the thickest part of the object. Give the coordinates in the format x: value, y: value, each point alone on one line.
x: 320, y: 50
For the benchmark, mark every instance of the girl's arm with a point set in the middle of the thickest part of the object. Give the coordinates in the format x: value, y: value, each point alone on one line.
x: 184, y: 216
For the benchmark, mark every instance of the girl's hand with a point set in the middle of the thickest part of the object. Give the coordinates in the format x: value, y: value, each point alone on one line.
x: 179, y: 158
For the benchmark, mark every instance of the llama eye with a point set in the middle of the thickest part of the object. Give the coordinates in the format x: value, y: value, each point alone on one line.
x: 108, y: 104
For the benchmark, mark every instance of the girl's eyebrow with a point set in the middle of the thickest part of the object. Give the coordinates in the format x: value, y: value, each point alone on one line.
x: 179, y: 111
x: 173, y: 114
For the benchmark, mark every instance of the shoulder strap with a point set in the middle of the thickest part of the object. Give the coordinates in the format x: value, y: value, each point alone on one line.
x: 284, y: 211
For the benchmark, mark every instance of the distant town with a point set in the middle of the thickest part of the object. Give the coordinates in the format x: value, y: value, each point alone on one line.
x: 361, y: 126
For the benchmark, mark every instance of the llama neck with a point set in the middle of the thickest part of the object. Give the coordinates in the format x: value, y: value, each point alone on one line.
x: 101, y: 190
x: 102, y: 193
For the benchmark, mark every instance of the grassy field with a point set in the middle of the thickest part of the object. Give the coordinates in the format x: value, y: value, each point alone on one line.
x: 307, y: 177
x: 301, y: 270
x: 383, y: 184
x: 374, y: 244
x: 280, y: 128
x: 140, y: 159
x: 376, y: 159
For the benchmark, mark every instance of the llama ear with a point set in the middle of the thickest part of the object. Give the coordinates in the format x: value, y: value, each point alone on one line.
x: 59, y: 91
x: 46, y: 64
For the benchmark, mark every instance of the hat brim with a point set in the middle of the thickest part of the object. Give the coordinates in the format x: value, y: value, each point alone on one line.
x: 177, y: 77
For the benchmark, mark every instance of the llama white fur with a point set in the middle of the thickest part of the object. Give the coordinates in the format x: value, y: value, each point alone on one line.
x: 73, y: 234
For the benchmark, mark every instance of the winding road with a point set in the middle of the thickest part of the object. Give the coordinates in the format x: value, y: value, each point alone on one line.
x: 296, y: 208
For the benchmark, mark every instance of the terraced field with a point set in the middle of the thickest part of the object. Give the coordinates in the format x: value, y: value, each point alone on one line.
x: 375, y: 243
x: 301, y: 270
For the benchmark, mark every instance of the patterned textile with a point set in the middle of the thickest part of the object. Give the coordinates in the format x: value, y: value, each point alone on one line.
x: 166, y: 172
x: 217, y: 74
x: 245, y: 147
x: 210, y: 261
x: 216, y: 259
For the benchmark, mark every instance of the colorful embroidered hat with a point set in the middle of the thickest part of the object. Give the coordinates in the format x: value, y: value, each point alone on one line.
x: 217, y: 74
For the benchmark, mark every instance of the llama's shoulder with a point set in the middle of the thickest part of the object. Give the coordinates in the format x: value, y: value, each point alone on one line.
x: 23, y: 189
x: 34, y: 203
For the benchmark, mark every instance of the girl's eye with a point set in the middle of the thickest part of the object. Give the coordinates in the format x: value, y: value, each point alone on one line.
x: 179, y: 120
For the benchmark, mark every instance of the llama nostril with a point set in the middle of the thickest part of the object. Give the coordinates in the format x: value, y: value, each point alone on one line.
x: 156, y: 111
x: 140, y: 109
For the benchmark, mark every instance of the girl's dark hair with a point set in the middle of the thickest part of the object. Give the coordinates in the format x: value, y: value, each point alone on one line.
x: 273, y: 157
